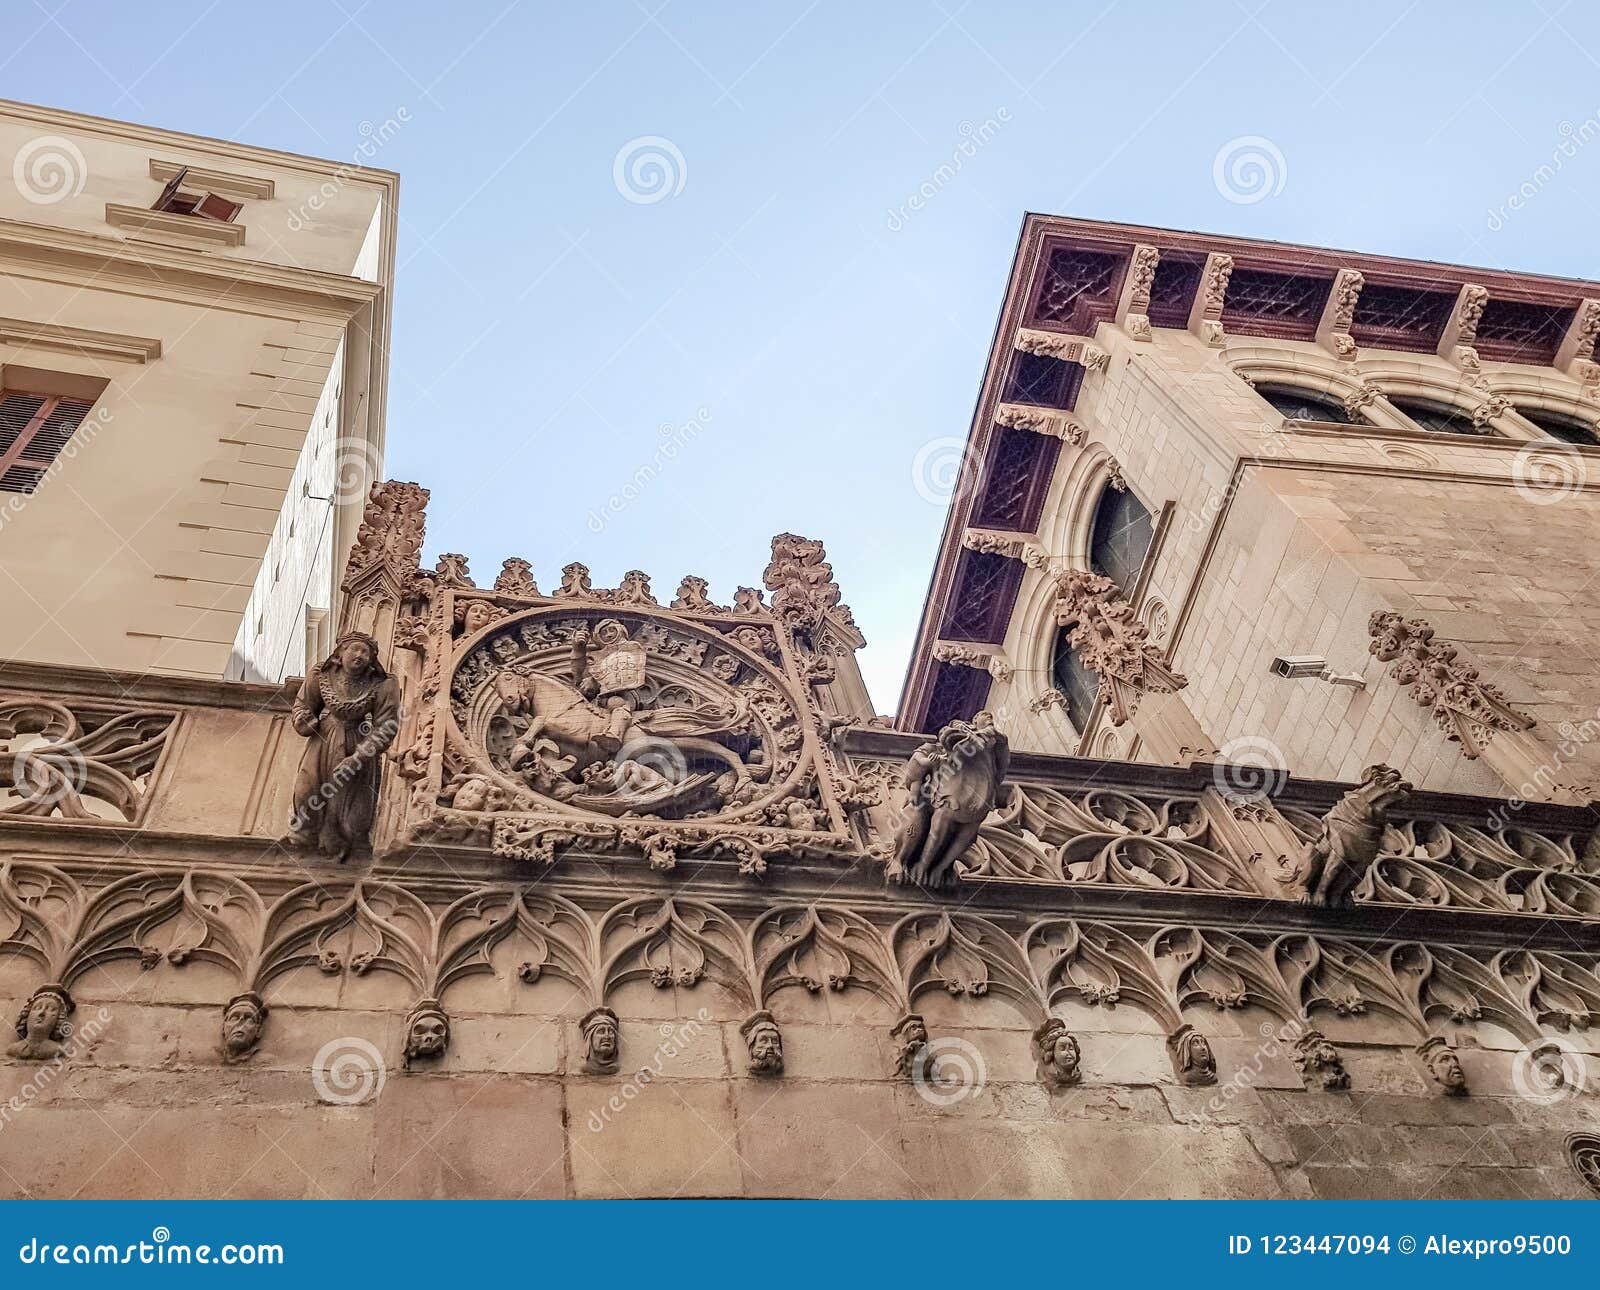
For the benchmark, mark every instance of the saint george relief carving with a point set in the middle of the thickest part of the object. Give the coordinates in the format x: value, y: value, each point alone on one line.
x: 348, y: 711
x: 953, y: 783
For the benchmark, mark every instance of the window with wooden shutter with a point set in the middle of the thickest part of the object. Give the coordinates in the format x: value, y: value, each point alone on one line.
x: 34, y: 428
x: 175, y: 201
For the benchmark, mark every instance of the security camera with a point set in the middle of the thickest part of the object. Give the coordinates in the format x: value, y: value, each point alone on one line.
x: 1313, y: 666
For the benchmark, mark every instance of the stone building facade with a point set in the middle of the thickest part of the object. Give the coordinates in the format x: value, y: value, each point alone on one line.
x: 535, y: 888
x: 210, y: 323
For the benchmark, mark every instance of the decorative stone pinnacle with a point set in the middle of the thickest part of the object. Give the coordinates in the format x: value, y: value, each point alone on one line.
x: 1111, y: 641
x: 1465, y: 707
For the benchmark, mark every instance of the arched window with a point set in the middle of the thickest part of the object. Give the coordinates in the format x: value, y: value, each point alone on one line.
x: 1436, y: 418
x: 1560, y: 425
x: 1119, y: 540
x: 1297, y: 405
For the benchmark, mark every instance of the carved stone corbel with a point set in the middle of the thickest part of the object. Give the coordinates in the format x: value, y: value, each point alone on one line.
x: 979, y: 657
x: 1443, y: 1066
x: 1192, y: 1059
x: 1333, y: 331
x: 1051, y: 698
x: 1316, y: 1058
x: 244, y: 1017
x: 1205, y: 315
x: 427, y: 1032
x: 763, y: 1043
x: 1020, y: 416
x: 1461, y: 328
x: 1466, y: 708
x: 602, y: 1048
x: 911, y: 1056
x: 1575, y: 356
x: 1069, y: 349
x: 1058, y: 1054
x: 1133, y: 306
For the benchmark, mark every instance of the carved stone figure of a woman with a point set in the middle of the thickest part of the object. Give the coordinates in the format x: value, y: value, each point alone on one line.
x: 348, y: 710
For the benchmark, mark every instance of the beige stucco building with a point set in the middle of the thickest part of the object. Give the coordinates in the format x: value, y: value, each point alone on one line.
x: 534, y: 888
x: 225, y: 370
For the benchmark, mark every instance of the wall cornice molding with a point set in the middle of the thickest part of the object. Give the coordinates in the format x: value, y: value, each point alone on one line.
x: 68, y: 255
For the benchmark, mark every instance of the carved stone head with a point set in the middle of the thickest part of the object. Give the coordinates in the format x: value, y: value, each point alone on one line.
x: 910, y: 1035
x: 242, y: 1022
x: 764, y: 1042
x: 427, y: 1031
x: 1385, y: 785
x: 475, y: 615
x: 42, y: 1026
x: 1058, y: 1053
x: 1315, y: 1056
x: 1443, y: 1065
x: 1192, y: 1060
x: 602, y: 1040
x: 356, y: 654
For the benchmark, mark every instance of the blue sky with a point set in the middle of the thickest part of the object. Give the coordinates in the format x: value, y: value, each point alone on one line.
x: 800, y: 335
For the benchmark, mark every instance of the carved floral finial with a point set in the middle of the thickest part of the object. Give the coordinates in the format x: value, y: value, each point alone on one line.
x: 1465, y: 707
x: 390, y: 537
x: 801, y: 581
x: 692, y: 595
x: 575, y: 581
x: 516, y: 578
x: 1112, y: 642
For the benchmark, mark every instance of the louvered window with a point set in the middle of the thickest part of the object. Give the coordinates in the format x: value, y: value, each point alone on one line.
x: 34, y: 428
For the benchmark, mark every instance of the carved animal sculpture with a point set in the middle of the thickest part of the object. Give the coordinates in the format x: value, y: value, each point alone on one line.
x: 954, y: 784
x: 1352, y: 834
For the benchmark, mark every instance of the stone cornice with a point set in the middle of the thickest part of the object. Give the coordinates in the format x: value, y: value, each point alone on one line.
x: 144, y: 687
x: 208, y: 279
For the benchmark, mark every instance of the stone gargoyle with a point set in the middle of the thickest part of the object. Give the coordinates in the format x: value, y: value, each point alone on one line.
x: 1333, y: 864
x: 953, y: 782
